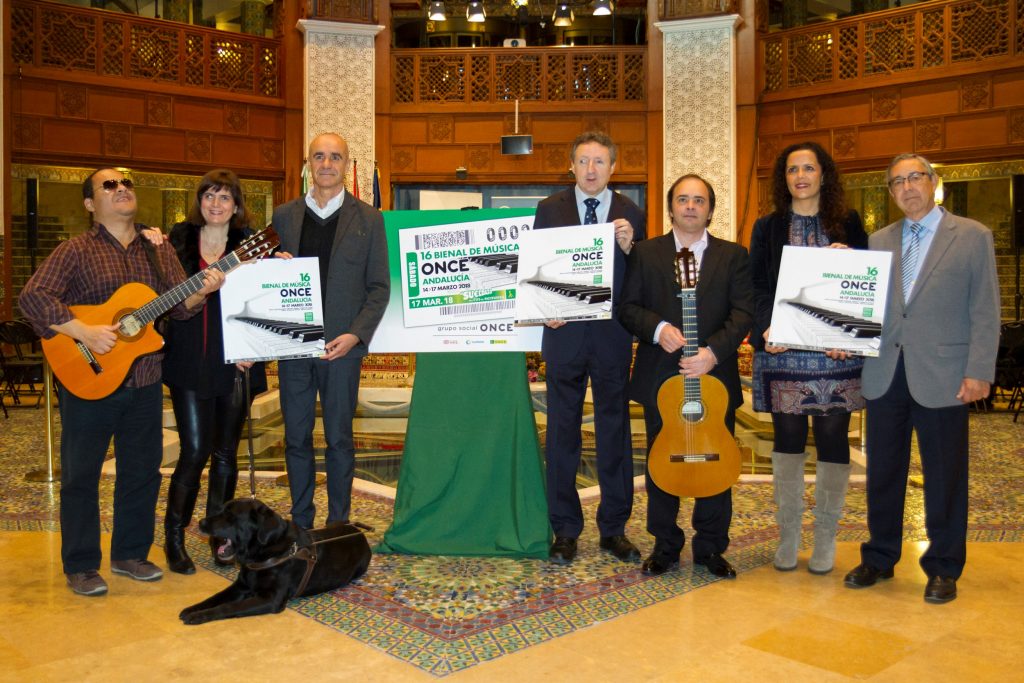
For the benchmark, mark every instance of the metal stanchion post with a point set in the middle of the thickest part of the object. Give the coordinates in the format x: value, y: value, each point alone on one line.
x: 51, y: 472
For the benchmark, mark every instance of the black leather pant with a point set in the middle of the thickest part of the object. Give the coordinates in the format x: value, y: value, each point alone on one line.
x: 208, y: 429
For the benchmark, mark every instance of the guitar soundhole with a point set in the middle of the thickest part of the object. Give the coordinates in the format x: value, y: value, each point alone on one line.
x: 130, y: 326
x: 692, y: 411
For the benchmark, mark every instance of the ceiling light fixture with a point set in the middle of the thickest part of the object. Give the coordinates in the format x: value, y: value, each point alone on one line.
x: 602, y: 8
x: 475, y: 12
x: 436, y: 11
x: 563, y: 15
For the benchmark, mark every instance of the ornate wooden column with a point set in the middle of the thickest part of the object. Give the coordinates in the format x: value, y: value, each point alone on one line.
x: 699, y: 133
x: 339, y: 88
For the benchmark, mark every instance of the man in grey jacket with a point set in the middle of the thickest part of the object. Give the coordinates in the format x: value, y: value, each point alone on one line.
x: 347, y: 236
x: 937, y: 356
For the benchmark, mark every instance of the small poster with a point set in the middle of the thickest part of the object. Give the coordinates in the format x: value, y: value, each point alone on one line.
x: 831, y: 299
x: 272, y: 310
x: 566, y: 274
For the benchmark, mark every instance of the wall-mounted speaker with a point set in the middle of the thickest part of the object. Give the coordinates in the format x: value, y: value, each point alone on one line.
x: 32, y: 213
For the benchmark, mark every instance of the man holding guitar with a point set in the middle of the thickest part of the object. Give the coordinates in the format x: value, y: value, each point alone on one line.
x: 86, y: 271
x: 651, y: 309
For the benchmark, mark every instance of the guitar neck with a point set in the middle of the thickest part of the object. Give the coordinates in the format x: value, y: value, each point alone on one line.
x: 688, y: 303
x: 174, y: 296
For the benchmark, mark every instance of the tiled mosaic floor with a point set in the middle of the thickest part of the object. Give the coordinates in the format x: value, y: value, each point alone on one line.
x: 444, y: 614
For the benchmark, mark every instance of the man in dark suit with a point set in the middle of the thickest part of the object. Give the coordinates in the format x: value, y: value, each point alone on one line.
x: 651, y: 309
x: 347, y: 236
x: 938, y: 354
x: 598, y: 350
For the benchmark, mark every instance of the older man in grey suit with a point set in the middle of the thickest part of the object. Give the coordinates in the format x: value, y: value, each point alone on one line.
x: 347, y: 236
x: 938, y: 355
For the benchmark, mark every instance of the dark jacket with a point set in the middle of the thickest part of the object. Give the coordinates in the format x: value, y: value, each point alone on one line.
x: 186, y: 365
x: 771, y: 234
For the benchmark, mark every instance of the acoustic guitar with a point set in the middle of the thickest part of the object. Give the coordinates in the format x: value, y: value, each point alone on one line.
x: 133, y: 307
x: 694, y: 455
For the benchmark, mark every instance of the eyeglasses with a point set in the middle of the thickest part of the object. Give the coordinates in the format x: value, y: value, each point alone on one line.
x: 111, y: 185
x: 915, y: 178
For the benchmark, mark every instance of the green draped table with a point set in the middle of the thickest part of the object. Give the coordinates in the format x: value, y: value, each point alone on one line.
x: 472, y: 479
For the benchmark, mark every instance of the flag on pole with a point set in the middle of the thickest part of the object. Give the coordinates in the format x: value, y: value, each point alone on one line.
x: 376, y: 186
x: 355, y: 179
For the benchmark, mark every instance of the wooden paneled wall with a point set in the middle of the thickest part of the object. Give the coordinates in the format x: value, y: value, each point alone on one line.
x: 429, y: 147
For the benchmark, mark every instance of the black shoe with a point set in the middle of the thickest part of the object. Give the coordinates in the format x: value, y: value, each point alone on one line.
x: 864, y: 575
x: 940, y: 589
x: 620, y: 547
x: 717, y: 565
x: 659, y: 563
x: 563, y: 550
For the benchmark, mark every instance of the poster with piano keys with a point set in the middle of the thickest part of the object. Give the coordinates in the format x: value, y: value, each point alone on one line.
x: 566, y: 274
x: 831, y: 299
x: 272, y: 310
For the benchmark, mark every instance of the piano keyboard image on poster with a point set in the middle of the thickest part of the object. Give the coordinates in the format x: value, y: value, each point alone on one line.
x: 273, y: 311
x: 830, y: 299
x: 566, y: 274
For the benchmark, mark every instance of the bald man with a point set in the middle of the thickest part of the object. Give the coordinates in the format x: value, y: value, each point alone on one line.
x: 347, y: 236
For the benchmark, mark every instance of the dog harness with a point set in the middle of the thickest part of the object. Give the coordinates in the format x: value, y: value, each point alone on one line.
x: 307, y: 551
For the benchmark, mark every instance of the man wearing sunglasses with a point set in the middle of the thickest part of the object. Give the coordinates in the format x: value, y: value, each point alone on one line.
x: 86, y: 270
x: 937, y: 356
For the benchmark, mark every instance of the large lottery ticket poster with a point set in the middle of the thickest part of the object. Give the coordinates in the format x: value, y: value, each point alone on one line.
x: 453, y: 282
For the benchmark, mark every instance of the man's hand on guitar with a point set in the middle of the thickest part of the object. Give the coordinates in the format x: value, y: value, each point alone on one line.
x: 698, y: 364
x: 671, y: 339
x: 213, y: 280
x: 99, y: 339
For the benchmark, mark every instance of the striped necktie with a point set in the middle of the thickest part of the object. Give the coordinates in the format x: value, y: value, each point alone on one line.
x: 909, y: 263
x: 590, y: 217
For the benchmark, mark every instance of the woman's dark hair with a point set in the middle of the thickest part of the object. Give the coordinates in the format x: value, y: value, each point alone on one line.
x: 216, y: 180
x: 832, y: 203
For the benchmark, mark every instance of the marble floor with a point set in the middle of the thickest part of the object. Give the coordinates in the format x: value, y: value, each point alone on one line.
x: 764, y: 626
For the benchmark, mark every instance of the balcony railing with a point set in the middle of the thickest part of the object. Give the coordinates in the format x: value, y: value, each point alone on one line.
x: 496, y: 75
x: 925, y: 40
x: 122, y: 46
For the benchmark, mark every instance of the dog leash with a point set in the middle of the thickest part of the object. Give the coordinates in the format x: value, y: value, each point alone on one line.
x: 248, y: 422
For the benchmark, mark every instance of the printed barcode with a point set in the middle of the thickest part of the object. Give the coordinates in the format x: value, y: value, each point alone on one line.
x: 482, y: 307
x: 441, y: 240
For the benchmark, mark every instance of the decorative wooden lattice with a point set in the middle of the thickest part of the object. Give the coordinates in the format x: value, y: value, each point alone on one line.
x: 484, y: 75
x: 889, y: 45
x: 68, y: 41
x: 403, y: 88
x: 126, y: 46
x: 442, y: 78
x: 773, y: 65
x: 979, y: 30
x: 926, y: 36
x: 518, y: 77
x: 810, y: 59
x: 933, y: 38
x: 480, y: 74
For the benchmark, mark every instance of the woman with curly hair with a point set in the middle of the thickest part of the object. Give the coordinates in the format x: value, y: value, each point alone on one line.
x: 794, y: 385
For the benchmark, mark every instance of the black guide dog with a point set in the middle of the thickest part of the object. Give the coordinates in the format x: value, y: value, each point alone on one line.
x: 278, y: 561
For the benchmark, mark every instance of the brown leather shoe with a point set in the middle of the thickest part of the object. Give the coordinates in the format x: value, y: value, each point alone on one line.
x: 620, y: 547
x: 864, y: 575
x: 940, y: 589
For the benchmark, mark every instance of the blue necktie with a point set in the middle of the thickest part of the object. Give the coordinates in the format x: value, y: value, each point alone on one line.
x: 909, y: 263
x: 590, y: 217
